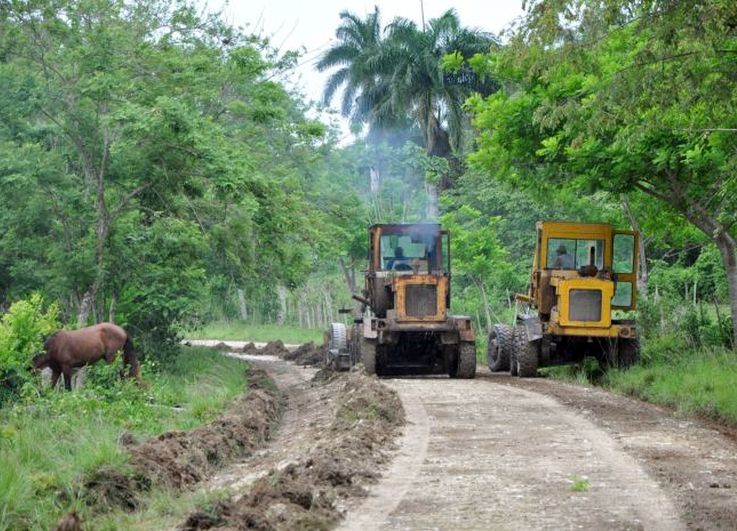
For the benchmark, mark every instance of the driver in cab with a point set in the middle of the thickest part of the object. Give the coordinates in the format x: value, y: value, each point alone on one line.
x: 399, y: 262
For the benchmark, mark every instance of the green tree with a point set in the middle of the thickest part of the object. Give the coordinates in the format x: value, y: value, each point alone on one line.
x: 625, y: 96
x: 401, y: 77
x: 148, y: 160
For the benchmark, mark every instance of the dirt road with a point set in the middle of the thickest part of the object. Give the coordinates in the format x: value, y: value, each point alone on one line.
x: 502, y: 453
x: 506, y: 453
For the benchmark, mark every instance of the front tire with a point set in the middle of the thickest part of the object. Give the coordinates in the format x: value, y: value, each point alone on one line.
x: 501, y: 343
x: 525, y: 354
x: 466, y: 364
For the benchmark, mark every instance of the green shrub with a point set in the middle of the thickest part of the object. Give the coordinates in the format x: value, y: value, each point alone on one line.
x: 22, y: 330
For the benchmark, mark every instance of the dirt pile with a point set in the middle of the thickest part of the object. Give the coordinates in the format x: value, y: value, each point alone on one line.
x: 180, y: 459
x: 304, y: 493
x: 275, y: 348
x: 307, y: 354
x: 250, y: 349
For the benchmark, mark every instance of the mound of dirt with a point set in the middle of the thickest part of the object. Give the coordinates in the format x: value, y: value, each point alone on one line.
x: 108, y: 488
x: 305, y: 493
x: 275, y: 348
x: 180, y: 459
x: 307, y: 354
x: 251, y: 349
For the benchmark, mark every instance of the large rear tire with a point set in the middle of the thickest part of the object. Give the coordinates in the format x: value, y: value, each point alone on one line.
x: 629, y: 352
x: 466, y: 367
x: 525, y: 354
x: 501, y: 343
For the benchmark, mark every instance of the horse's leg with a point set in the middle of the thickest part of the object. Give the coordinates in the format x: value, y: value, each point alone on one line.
x: 67, y: 371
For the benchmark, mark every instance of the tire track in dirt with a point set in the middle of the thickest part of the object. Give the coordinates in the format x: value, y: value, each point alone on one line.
x: 694, y: 461
x: 402, y: 473
x: 304, y: 415
x: 499, y: 457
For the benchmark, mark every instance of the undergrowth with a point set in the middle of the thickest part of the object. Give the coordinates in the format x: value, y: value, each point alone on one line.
x: 50, y: 439
x: 694, y: 381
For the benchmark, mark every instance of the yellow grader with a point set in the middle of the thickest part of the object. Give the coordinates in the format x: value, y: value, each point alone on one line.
x: 581, y: 274
x: 403, y: 325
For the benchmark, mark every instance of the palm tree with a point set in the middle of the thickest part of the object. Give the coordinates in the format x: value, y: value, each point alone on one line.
x: 433, y: 96
x: 357, y: 56
x: 391, y: 80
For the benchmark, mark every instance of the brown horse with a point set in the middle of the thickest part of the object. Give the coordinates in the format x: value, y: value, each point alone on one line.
x: 76, y: 348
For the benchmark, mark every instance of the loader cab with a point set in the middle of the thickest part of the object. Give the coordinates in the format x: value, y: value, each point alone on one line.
x: 409, y: 271
x: 598, y: 275
x: 421, y: 248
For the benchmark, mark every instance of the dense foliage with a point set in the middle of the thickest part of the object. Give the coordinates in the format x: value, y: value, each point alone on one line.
x: 150, y: 163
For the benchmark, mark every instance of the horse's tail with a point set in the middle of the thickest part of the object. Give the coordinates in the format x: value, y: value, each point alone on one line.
x: 130, y: 358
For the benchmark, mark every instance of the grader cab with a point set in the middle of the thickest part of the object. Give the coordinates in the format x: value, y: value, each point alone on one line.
x: 403, y: 325
x: 581, y: 274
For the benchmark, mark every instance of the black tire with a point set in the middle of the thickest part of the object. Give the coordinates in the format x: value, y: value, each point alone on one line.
x: 337, y: 341
x: 628, y: 352
x: 368, y: 355
x: 513, y: 357
x: 501, y: 342
x: 525, y: 354
x: 466, y: 367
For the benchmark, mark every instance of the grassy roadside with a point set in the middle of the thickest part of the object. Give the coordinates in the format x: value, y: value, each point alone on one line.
x: 48, y: 442
x: 245, y: 332
x: 699, y: 382
x: 702, y: 382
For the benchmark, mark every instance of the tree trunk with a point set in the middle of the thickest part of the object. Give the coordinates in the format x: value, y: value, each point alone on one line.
x: 281, y: 292
x: 84, y: 308
x: 487, y: 310
x: 728, y: 247
x: 111, y: 309
x: 349, y: 273
x: 242, y: 304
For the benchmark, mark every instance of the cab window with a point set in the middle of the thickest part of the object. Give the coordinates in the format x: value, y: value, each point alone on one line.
x: 572, y: 253
x: 401, y: 252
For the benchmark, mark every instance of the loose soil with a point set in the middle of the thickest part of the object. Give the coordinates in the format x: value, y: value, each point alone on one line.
x: 180, y: 459
x: 333, y: 460
x: 491, y: 453
x: 307, y: 354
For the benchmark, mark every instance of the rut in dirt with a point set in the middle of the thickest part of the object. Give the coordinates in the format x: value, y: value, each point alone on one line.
x: 308, y: 491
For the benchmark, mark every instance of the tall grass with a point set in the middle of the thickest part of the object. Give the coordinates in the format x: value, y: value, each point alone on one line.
x: 702, y: 382
x: 49, y: 441
x: 246, y: 332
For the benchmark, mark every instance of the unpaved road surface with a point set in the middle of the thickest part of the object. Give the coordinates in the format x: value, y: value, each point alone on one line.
x: 506, y: 453
x: 503, y: 453
x: 305, y: 413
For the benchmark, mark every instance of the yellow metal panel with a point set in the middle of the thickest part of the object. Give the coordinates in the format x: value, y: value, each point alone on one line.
x: 400, y: 284
x: 612, y: 331
x: 564, y: 298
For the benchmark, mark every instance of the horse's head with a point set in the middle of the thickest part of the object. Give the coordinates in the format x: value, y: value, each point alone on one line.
x: 39, y: 361
x: 47, y: 340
